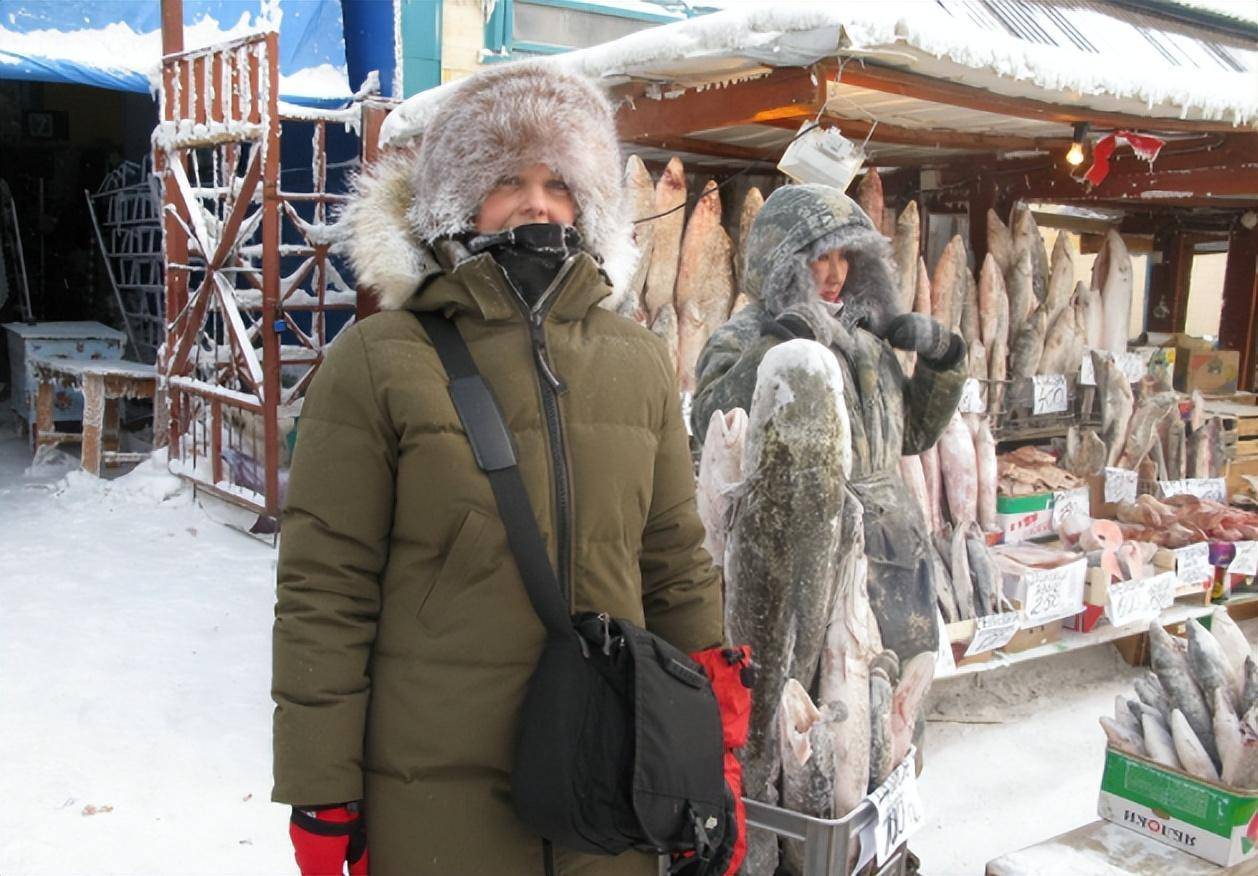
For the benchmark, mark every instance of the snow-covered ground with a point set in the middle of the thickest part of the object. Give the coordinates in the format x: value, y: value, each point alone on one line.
x: 135, y: 673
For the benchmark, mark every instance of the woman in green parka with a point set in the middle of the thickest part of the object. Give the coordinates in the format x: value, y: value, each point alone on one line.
x: 404, y: 638
x: 817, y: 268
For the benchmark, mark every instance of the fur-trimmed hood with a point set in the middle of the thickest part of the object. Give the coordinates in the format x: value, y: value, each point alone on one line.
x: 800, y: 223
x: 406, y: 206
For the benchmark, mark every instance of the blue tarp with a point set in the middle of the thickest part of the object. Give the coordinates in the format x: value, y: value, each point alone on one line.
x: 115, y: 44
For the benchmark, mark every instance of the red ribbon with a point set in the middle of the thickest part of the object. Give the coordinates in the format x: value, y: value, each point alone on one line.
x: 1143, y: 145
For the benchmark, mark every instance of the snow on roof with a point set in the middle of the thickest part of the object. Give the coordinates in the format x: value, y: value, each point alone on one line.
x: 1116, y: 66
x: 1239, y: 10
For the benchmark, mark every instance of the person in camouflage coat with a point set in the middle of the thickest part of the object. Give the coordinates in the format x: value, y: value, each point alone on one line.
x: 809, y: 243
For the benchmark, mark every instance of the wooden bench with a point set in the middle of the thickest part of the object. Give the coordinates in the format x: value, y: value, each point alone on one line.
x: 1105, y: 849
x: 102, y: 383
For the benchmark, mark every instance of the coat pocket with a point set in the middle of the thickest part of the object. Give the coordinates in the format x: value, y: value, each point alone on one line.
x: 460, y: 561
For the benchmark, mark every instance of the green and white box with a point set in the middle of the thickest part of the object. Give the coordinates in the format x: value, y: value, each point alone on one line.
x: 1205, y: 819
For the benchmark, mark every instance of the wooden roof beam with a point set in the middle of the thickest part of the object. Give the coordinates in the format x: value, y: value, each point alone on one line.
x: 893, y: 81
x: 709, y: 148
x: 858, y: 129
x: 786, y: 93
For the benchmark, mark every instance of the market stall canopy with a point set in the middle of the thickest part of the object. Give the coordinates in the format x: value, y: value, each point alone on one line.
x: 938, y: 79
x: 118, y: 45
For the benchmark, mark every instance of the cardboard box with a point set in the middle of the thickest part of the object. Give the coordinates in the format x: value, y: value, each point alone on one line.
x: 1033, y: 637
x: 1024, y: 517
x: 1213, y: 372
x: 1205, y: 819
x: 1160, y: 362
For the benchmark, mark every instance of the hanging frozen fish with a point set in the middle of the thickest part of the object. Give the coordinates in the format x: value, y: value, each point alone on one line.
x: 999, y: 242
x: 944, y: 282
x: 665, y: 326
x: 959, y: 568
x: 1027, y: 238
x: 960, y: 470
x: 1188, y: 748
x: 746, y: 216
x: 1059, y: 345
x: 641, y: 192
x: 785, y: 543
x: 934, y: 486
x: 720, y: 470
x: 1085, y: 452
x: 905, y: 248
x: 852, y: 643
x: 915, y: 680
x: 1061, y: 278
x: 985, y: 470
x: 670, y: 195
x: 923, y: 297
x: 1116, y: 293
x: 993, y: 303
x: 1176, y: 448
x: 1173, y: 669
x: 944, y: 595
x: 705, y: 285
x: 1117, y: 403
x: 1142, y: 432
x: 984, y: 572
x: 915, y: 481
x: 970, y: 316
x: 1028, y: 349
x: 880, y: 741
x: 869, y: 196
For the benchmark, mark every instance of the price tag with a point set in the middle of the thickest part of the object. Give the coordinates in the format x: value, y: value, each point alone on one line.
x: 1143, y: 600
x: 1067, y: 502
x: 1192, y: 563
x: 945, y: 665
x: 1087, y: 371
x: 972, y: 397
x: 1132, y: 365
x: 993, y: 631
x: 1203, y: 488
x: 1246, y: 560
x: 899, y: 807
x: 1053, y: 593
x: 1050, y: 394
x: 1120, y: 485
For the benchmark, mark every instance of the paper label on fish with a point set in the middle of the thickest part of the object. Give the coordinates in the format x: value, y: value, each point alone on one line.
x: 1132, y: 365
x: 1141, y: 600
x: 972, y: 397
x: 900, y: 812
x: 1246, y: 560
x: 1050, y: 594
x: 993, y: 631
x: 1050, y: 394
x: 1202, y: 488
x: 1120, y: 485
x: 1087, y: 372
x: 1192, y: 563
x: 1067, y: 502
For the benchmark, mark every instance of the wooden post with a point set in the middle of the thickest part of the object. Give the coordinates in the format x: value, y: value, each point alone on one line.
x: 93, y: 422
x: 172, y: 27
x: 983, y: 198
x: 1166, y: 309
x: 43, y: 413
x: 1238, y: 321
x: 271, y: 277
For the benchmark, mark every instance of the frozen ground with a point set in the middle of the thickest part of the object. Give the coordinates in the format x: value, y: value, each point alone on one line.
x: 135, y: 670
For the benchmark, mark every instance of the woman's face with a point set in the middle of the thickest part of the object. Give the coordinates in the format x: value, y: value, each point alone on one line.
x: 535, y: 194
x: 829, y: 274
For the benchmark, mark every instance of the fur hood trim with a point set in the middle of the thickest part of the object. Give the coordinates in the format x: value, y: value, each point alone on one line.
x: 489, y: 126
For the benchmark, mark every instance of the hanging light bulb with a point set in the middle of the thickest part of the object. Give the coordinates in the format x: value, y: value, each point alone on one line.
x: 1075, y: 155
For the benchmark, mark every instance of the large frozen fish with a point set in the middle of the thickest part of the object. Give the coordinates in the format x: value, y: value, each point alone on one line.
x: 869, y: 196
x: 1249, y: 686
x: 785, y: 543
x: 1234, y: 644
x: 1020, y: 291
x: 956, y: 565
x: 1123, y: 738
x: 923, y: 296
x: 993, y: 302
x: 1159, y: 743
x: 1061, y: 277
x: 915, y: 679
x: 1142, y: 432
x: 1176, y: 448
x: 946, y: 280
x: 1124, y: 716
x: 881, y: 754
x: 752, y: 203
x: 1027, y: 238
x: 1117, y: 403
x: 999, y: 242
x: 641, y: 193
x: 1059, y: 345
x: 960, y: 470
x: 934, y: 486
x: 1188, y: 748
x: 915, y: 481
x: 852, y: 642
x: 1244, y: 767
x: 661, y: 278
x: 1171, y: 664
x: 1028, y: 349
x: 1085, y: 452
x: 664, y: 325
x: 1227, y: 733
x: 985, y: 572
x: 1151, y: 692
x: 977, y: 367
x: 984, y: 469
x: 1115, y: 292
x: 905, y: 248
x: 809, y: 767
x: 970, y: 315
x: 705, y: 283
x: 1209, y: 665
x: 720, y: 470
x: 1093, y: 315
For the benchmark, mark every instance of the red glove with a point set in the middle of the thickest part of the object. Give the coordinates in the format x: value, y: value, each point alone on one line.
x: 730, y: 671
x: 325, y: 838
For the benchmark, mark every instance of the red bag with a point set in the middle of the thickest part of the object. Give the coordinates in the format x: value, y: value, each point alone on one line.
x: 730, y: 671
x: 327, y: 838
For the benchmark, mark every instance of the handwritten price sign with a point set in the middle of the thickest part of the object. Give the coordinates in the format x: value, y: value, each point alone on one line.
x: 1120, y: 485
x: 1053, y: 593
x: 1087, y: 371
x: 1246, y: 560
x: 1133, y: 365
x: 1069, y: 502
x: 899, y: 806
x: 1050, y: 394
x: 972, y: 397
x: 1202, y: 488
x: 1192, y: 564
x: 1143, y: 600
x: 992, y: 632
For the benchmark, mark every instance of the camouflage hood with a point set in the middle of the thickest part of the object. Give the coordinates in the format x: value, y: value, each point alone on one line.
x: 798, y: 224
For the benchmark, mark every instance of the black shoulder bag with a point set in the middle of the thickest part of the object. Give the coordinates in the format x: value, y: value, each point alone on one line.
x: 619, y: 742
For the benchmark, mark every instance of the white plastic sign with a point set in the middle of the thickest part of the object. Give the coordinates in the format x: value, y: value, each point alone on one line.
x: 899, y: 807
x: 1142, y: 600
x: 1246, y: 560
x: 1192, y: 563
x: 1120, y: 485
x: 1067, y: 502
x: 1050, y: 394
x: 1202, y: 488
x: 972, y: 397
x: 1087, y: 371
x: 1053, y: 593
x: 993, y: 631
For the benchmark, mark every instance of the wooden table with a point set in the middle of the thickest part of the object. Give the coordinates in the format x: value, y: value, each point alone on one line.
x: 102, y: 383
x: 1105, y: 849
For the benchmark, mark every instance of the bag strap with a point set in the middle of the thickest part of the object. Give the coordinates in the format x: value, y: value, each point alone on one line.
x: 494, y: 450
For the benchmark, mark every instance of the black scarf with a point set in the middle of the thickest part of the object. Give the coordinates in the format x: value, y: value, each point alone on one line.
x: 530, y: 255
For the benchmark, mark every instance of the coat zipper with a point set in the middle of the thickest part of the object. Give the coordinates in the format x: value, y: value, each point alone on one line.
x: 552, y: 387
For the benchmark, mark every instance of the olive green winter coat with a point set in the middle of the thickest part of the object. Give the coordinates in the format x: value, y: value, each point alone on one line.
x: 404, y: 638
